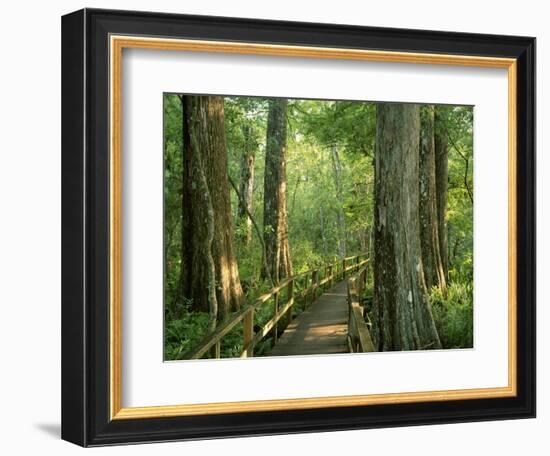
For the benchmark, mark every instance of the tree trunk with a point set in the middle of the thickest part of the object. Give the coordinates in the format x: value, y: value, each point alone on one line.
x: 323, y: 235
x: 258, y: 232
x: 442, y: 184
x: 366, y: 246
x: 275, y: 213
x: 337, y: 172
x: 429, y: 233
x: 246, y: 189
x: 209, y: 268
x: 402, y: 313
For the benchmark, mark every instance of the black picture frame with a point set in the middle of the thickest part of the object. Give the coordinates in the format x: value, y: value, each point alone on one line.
x: 85, y: 227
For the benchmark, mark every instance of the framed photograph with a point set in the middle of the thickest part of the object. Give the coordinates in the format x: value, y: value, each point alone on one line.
x: 278, y: 227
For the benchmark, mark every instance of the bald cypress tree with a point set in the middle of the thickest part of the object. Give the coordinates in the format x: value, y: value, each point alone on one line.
x: 275, y: 210
x: 209, y: 272
x: 402, y: 314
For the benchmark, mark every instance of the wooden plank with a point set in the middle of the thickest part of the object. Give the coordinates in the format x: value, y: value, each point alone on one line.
x: 322, y: 329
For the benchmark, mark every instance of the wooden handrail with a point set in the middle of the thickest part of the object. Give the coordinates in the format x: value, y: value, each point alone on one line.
x: 333, y: 264
x: 309, y: 294
x: 215, y: 336
x: 359, y: 339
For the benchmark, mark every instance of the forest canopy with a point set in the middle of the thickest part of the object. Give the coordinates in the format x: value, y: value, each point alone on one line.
x: 260, y: 190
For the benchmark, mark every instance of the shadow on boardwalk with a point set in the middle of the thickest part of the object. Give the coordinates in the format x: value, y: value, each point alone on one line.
x: 321, y: 329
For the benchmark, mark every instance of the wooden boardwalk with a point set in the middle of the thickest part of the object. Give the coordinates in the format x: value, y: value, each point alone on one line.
x: 329, y: 325
x: 321, y: 329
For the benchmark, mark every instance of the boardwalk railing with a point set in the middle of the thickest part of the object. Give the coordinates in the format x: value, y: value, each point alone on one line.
x: 359, y: 339
x: 305, y: 288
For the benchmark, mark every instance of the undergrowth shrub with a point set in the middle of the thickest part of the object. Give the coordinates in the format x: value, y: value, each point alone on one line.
x: 454, y: 315
x: 183, y: 334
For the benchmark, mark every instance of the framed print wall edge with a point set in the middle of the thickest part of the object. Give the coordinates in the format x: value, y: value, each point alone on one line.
x: 92, y: 43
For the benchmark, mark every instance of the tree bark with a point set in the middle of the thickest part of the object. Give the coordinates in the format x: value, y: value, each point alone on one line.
x: 247, y: 191
x: 340, y: 216
x: 429, y: 221
x: 442, y: 184
x: 209, y: 267
x: 402, y: 313
x: 323, y: 235
x: 275, y: 211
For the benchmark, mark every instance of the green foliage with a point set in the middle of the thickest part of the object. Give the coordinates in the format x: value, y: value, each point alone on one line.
x: 454, y: 315
x: 350, y: 124
x: 185, y: 333
x: 245, y: 125
x: 458, y: 122
x: 316, y: 128
x: 181, y: 335
x: 313, y: 203
x: 173, y: 183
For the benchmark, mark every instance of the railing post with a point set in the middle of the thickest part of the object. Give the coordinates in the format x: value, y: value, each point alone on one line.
x: 215, y: 351
x: 248, y: 333
x: 343, y: 269
x: 289, y: 299
x: 276, y: 309
x: 314, y: 281
x: 357, y: 263
x: 330, y: 280
x: 360, y: 289
x: 305, y: 291
x: 350, y: 322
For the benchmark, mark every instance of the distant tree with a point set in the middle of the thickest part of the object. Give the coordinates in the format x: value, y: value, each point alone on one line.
x: 434, y: 273
x: 246, y: 185
x: 456, y: 123
x: 346, y: 130
x: 338, y: 184
x: 441, y: 145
